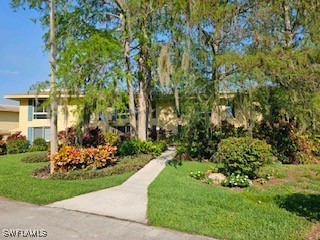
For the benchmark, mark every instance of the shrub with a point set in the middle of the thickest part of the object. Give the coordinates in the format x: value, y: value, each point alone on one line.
x: 236, y: 181
x: 124, y: 164
x: 200, y: 143
x: 162, y: 134
x: 135, y: 146
x: 281, y: 136
x: 289, y: 145
x: 17, y: 146
x: 125, y: 137
x: 199, y: 175
x: 71, y: 158
x: 67, y: 137
x: 128, y: 147
x: 39, y: 144
x: 36, y: 158
x: 92, y: 137
x: 3, y: 145
x: 16, y: 136
x: 243, y: 156
x: 308, y: 148
x: 112, y: 138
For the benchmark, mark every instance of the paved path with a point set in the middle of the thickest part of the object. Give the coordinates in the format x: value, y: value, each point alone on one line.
x: 127, y: 201
x: 61, y: 224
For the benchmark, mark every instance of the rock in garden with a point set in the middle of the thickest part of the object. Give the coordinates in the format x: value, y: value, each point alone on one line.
x: 217, y: 178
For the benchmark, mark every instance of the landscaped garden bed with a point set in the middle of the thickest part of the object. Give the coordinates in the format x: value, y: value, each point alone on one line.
x: 17, y: 182
x: 101, y: 161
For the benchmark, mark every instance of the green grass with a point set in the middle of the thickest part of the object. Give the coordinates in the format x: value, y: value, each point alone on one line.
x: 16, y: 182
x: 281, y: 211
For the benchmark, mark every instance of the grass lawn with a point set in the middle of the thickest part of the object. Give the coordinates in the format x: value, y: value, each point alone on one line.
x: 287, y: 207
x: 16, y: 182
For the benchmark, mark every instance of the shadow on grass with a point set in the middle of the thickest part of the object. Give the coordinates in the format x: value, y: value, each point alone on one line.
x: 304, y: 205
x: 175, y: 163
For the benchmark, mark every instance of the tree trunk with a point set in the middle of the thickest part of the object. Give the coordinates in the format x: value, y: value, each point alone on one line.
x: 287, y: 25
x: 53, y: 96
x: 132, y: 114
x: 143, y: 104
x: 215, y: 112
x: 126, y: 42
x: 144, y: 76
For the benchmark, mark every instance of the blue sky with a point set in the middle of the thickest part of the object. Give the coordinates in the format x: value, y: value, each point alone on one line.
x: 23, y: 61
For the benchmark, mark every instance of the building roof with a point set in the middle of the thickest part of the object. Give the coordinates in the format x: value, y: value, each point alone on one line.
x: 8, y: 108
x: 32, y: 95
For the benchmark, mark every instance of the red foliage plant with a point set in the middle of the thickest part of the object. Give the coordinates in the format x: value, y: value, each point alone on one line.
x: 72, y: 158
x: 16, y: 136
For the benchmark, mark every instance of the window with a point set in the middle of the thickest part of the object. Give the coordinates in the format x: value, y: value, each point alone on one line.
x: 229, y: 112
x: 40, y: 111
x: 127, y: 129
x: 41, y: 132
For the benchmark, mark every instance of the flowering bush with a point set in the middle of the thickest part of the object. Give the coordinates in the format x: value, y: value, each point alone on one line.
x: 16, y: 136
x: 199, y: 175
x: 17, y: 143
x: 236, y: 181
x: 71, y: 158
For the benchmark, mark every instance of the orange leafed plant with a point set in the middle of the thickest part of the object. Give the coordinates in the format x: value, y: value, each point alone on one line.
x: 71, y: 158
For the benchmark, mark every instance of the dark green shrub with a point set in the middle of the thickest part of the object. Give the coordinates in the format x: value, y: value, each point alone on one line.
x: 39, y: 144
x: 156, y: 148
x: 3, y: 147
x: 128, y: 147
x: 282, y: 137
x: 159, y: 147
x: 125, y: 164
x: 198, y: 142
x: 243, y: 156
x: 36, y: 158
x: 135, y: 146
x: 17, y: 146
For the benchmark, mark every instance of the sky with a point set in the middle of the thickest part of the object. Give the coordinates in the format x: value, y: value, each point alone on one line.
x: 23, y: 61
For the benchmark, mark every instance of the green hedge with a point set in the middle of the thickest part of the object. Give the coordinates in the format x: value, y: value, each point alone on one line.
x: 135, y: 146
x: 17, y: 146
x: 39, y: 144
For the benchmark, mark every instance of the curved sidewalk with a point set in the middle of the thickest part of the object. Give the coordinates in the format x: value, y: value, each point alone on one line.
x: 127, y: 201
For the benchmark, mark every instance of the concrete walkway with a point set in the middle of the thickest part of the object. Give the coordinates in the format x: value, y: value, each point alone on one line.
x: 127, y: 201
x: 61, y: 224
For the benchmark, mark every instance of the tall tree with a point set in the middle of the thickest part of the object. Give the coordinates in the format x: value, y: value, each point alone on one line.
x: 127, y: 40
x: 47, y: 8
